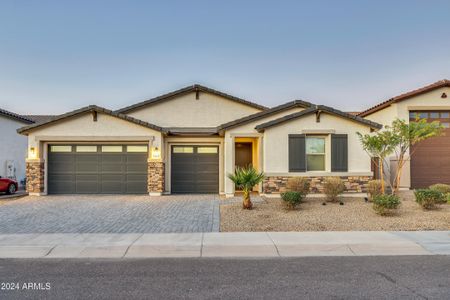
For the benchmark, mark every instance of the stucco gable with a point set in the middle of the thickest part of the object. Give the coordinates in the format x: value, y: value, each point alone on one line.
x: 197, y: 89
x: 94, y: 111
x: 192, y: 110
x: 318, y: 110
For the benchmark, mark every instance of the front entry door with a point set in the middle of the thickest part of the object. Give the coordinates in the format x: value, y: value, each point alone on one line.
x: 243, y: 154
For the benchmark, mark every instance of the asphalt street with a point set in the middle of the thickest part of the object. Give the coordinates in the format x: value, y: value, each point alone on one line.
x: 399, y: 277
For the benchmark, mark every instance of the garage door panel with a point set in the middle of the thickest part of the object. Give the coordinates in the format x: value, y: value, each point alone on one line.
x: 97, y: 172
x: 111, y: 167
x: 112, y: 187
x: 86, y: 167
x: 136, y: 168
x: 87, y: 187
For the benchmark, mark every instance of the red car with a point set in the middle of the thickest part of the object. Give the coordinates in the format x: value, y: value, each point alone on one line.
x: 8, y: 186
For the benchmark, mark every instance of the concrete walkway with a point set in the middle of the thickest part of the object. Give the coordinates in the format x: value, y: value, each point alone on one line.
x: 215, y: 244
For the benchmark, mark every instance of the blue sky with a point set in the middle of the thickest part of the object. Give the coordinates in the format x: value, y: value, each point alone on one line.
x: 56, y: 56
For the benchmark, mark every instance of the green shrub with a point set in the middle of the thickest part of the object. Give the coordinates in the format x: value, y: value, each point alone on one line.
x: 298, y: 184
x: 292, y: 198
x: 428, y: 198
x: 374, y: 189
x: 440, y: 187
x: 333, y: 187
x: 384, y: 204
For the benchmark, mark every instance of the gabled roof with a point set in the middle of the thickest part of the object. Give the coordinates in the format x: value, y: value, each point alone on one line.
x: 39, y: 118
x: 91, y: 108
x: 186, y: 90
x: 422, y: 90
x: 15, y: 116
x: 265, y: 113
x: 314, y: 109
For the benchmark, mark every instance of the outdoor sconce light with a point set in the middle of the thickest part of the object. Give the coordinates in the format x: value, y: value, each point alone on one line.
x: 156, y: 153
x: 32, y: 153
x: 444, y: 95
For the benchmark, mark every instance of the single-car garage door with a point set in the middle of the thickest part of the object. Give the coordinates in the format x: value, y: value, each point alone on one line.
x: 97, y: 169
x: 430, y: 161
x: 195, y: 169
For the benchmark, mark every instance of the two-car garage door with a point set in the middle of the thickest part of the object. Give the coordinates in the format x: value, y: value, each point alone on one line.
x: 97, y: 169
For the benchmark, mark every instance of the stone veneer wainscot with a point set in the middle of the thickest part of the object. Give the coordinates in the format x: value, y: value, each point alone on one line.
x: 35, y: 176
x: 353, y: 184
x: 155, y: 177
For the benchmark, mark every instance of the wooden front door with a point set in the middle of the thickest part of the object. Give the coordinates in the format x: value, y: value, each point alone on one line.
x: 243, y: 154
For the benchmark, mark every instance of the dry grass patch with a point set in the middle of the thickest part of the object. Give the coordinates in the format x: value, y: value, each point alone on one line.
x: 272, y: 215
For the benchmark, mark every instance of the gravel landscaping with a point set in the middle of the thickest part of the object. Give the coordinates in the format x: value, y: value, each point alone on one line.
x: 271, y: 215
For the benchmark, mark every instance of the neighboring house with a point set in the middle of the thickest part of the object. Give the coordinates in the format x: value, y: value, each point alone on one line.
x: 430, y: 162
x: 13, y: 146
x: 187, y: 141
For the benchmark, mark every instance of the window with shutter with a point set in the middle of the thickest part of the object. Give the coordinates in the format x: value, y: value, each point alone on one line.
x: 339, y: 153
x: 297, y: 154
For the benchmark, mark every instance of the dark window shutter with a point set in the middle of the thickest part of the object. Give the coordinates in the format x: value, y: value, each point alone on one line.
x: 339, y: 153
x: 297, y: 156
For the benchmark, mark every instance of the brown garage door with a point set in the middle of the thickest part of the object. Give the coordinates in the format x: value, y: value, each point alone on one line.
x: 430, y: 162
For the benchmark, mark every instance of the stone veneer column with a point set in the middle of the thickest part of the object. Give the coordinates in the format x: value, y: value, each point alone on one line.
x: 35, y: 176
x: 155, y: 177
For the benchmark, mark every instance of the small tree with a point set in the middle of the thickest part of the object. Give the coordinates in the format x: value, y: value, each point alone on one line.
x: 246, y: 179
x: 407, y: 135
x: 379, y: 145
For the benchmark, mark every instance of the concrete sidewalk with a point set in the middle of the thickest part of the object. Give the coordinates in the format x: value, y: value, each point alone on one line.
x: 228, y: 244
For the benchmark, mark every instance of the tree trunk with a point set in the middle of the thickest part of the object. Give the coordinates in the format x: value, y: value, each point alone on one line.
x: 398, y: 176
x: 247, y: 203
x: 381, y: 162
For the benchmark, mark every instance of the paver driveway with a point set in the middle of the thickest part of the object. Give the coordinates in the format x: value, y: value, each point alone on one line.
x: 110, y: 214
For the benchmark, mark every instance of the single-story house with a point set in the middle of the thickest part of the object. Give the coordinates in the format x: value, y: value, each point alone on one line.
x: 430, y: 160
x: 13, y: 147
x: 187, y: 141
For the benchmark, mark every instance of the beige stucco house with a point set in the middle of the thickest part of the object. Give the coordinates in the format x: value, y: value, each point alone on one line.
x: 430, y: 160
x: 187, y: 141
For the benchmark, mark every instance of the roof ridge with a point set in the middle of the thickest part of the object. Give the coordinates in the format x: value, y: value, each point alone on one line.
x: 188, y: 89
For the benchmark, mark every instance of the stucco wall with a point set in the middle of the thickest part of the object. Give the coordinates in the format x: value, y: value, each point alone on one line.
x: 428, y: 101
x: 186, y: 111
x: 83, y: 128
x: 246, y: 130
x: 276, y: 149
x: 13, y: 146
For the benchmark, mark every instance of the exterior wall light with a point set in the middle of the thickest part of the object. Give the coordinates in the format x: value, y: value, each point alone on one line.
x: 32, y: 153
x: 156, y: 153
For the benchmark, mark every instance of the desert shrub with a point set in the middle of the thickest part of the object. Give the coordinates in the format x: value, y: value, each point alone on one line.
x: 384, y: 204
x: 374, y: 189
x: 428, y: 198
x: 443, y: 188
x: 298, y: 184
x: 333, y: 187
x: 292, y: 198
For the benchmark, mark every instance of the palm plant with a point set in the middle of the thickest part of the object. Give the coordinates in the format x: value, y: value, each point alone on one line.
x: 245, y: 179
